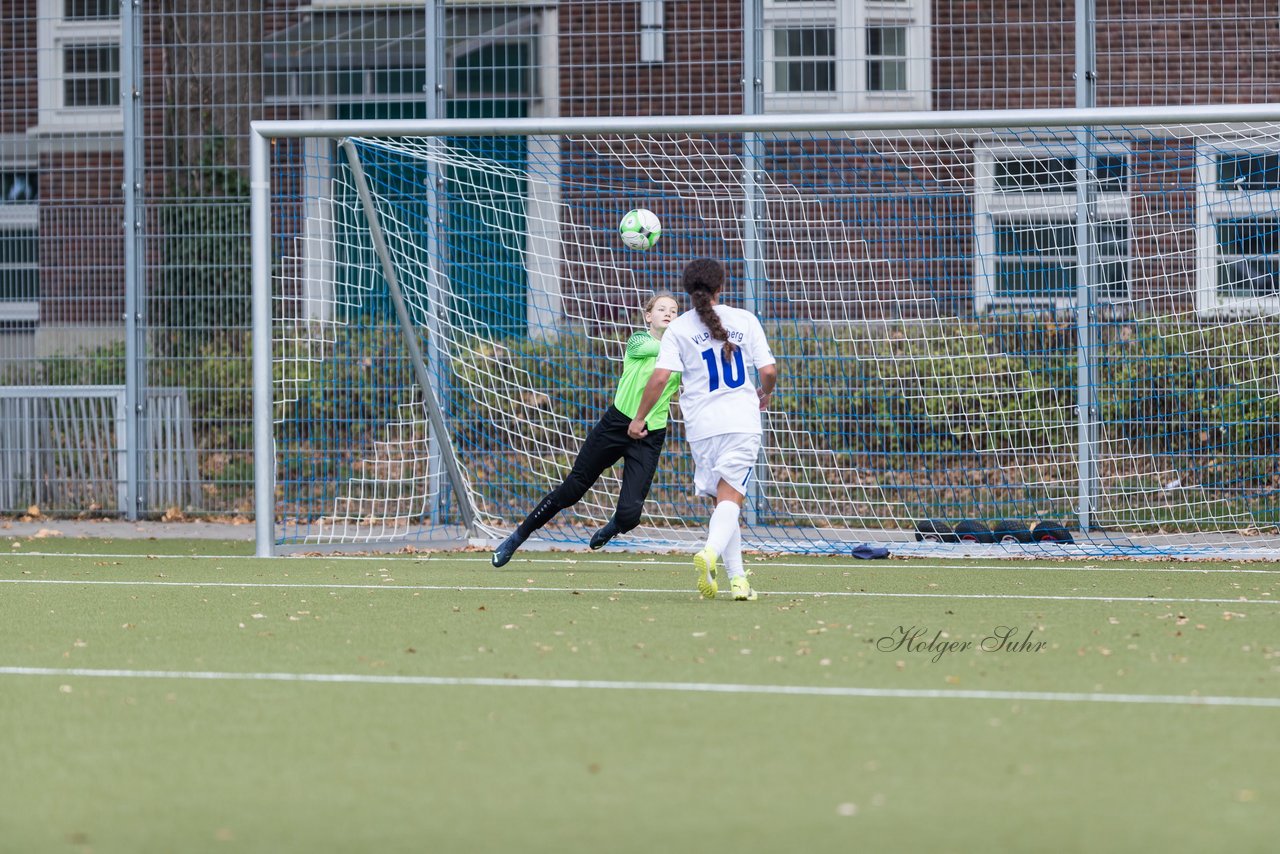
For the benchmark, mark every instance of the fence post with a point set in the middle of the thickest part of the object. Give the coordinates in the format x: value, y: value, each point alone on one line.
x: 134, y: 278
x: 434, y: 91
x: 752, y: 152
x: 752, y: 159
x: 1086, y: 268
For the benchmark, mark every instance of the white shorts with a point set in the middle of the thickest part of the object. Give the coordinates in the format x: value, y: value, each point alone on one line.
x: 730, y: 457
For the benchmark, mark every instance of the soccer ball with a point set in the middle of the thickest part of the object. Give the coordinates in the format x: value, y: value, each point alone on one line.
x: 640, y: 229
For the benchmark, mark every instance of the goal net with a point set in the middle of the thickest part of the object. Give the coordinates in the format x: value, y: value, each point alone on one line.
x: 1034, y: 339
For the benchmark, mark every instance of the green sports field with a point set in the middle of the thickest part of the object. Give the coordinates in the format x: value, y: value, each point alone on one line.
x: 180, y: 696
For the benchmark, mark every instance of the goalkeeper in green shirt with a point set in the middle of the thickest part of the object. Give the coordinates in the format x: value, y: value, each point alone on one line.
x: 608, y: 441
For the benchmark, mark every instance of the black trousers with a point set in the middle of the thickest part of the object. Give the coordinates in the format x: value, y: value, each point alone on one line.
x: 607, y: 443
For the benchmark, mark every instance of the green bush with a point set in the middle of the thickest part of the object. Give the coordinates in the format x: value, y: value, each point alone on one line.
x: 934, y: 416
x: 103, y: 366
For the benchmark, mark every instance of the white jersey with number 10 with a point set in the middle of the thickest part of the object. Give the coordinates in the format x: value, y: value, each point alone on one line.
x: 716, y: 396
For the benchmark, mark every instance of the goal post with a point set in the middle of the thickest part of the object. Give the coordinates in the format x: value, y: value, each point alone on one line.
x: 1046, y: 332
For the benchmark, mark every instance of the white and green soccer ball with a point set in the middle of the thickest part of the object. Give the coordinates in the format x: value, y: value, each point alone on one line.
x: 640, y: 229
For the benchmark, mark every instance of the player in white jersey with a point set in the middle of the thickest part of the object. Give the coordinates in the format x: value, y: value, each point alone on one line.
x: 716, y: 348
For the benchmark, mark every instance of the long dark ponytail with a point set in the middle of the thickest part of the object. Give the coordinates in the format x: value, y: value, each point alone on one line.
x: 702, y: 280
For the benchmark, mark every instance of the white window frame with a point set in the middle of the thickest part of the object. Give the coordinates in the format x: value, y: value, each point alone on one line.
x: 54, y: 35
x: 991, y: 204
x: 1212, y: 206
x: 850, y: 19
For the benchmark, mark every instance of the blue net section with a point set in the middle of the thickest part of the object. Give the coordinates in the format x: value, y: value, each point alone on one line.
x: 996, y: 341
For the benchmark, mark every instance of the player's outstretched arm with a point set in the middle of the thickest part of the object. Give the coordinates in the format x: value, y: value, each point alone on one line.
x: 652, y: 391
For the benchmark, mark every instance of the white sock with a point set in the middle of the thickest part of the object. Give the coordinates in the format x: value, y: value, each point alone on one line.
x: 722, y: 527
x: 732, y: 556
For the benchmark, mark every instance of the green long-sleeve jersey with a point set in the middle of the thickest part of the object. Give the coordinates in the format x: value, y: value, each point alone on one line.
x: 637, y: 367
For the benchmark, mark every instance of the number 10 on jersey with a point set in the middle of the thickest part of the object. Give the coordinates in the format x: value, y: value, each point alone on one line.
x: 735, y: 373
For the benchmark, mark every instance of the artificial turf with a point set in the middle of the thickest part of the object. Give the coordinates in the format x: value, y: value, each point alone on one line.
x: 160, y: 701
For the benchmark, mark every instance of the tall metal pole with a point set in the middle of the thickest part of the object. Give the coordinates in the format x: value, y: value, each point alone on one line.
x: 752, y: 203
x: 264, y: 455
x: 433, y: 93
x: 752, y: 151
x: 135, y: 458
x: 1086, y: 268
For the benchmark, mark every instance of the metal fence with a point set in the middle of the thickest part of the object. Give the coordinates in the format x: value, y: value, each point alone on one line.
x: 124, y: 251
x: 64, y: 446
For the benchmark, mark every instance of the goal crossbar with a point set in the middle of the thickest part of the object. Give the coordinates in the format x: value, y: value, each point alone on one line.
x: 781, y: 123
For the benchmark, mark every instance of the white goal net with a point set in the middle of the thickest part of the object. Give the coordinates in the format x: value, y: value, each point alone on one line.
x: 1029, y: 339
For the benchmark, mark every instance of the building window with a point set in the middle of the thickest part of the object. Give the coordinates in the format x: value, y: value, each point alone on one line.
x: 19, y: 187
x: 1248, y: 263
x: 1027, y: 248
x: 804, y: 59
x: 19, y: 273
x: 91, y: 75
x: 79, y: 66
x: 19, y: 248
x: 846, y: 55
x: 886, y: 59
x: 1035, y: 259
x: 90, y: 10
x: 1238, y: 221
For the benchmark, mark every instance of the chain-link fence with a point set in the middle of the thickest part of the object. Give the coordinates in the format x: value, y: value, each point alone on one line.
x: 124, y: 250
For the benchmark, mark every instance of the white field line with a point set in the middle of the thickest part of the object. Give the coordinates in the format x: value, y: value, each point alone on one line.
x: 604, y: 558
x: 460, y: 588
x: 686, y: 687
